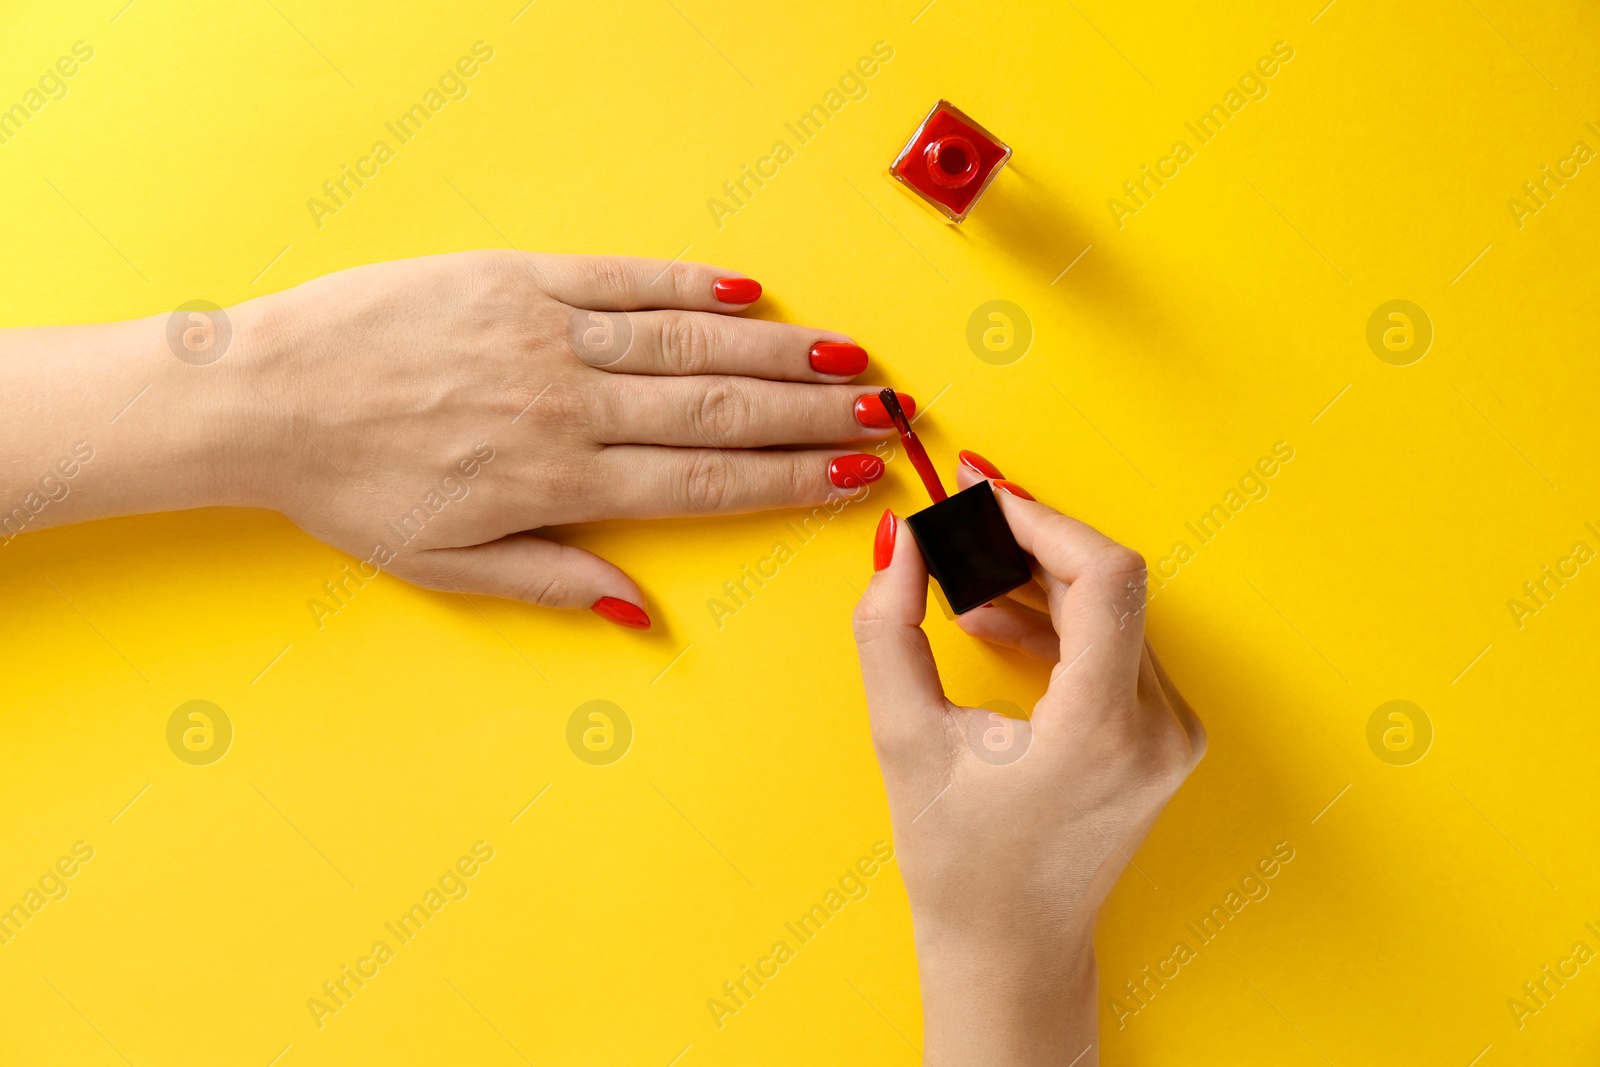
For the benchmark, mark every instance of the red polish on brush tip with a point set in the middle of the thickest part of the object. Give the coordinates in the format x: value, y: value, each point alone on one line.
x: 914, y: 449
x: 871, y: 413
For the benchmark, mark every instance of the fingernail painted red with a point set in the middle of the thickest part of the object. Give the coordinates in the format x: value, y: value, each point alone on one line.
x: 737, y: 290
x: 1014, y: 489
x: 838, y: 358
x: 855, y: 470
x: 981, y: 465
x: 883, y: 541
x: 622, y: 613
x: 870, y: 411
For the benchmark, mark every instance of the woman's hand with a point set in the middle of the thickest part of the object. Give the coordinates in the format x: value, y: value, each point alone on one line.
x: 424, y: 415
x: 602, y: 388
x: 1010, y: 834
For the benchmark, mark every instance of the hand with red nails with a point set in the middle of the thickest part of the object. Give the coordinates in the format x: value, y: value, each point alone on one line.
x: 428, y: 415
x: 1010, y: 834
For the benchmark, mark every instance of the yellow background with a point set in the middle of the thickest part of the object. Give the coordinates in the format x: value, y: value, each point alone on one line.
x: 1222, y: 318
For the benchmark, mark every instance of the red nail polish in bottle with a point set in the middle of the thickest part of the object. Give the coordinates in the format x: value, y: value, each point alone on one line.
x: 949, y: 161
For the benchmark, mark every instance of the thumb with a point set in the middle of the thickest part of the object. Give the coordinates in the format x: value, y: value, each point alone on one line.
x: 904, y: 696
x: 529, y: 568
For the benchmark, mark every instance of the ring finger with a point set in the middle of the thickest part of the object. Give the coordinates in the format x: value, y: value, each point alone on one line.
x: 649, y: 482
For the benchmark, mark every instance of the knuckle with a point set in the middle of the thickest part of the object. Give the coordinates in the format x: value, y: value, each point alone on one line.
x: 682, y: 282
x: 801, y: 481
x: 419, y: 569
x: 686, y: 345
x: 614, y: 279
x: 867, y: 621
x: 1173, y: 758
x: 489, y: 287
x: 566, y: 404
x: 561, y: 480
x: 548, y: 591
x: 1118, y: 561
x: 891, y: 745
x: 1197, y: 744
x: 708, y: 482
x: 1167, y: 760
x: 724, y: 412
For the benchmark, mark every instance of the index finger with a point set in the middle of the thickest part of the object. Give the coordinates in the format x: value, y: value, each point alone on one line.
x: 1097, y: 602
x: 626, y: 283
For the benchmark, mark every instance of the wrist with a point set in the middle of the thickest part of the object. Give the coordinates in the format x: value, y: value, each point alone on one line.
x: 245, y: 428
x: 201, y: 440
x: 113, y: 423
x: 990, y: 1001
x: 210, y: 435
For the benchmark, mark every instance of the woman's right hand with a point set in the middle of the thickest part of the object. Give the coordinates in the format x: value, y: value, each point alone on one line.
x: 424, y: 415
x: 1010, y: 834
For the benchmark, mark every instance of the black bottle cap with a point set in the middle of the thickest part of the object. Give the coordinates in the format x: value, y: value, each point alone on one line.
x: 969, y: 548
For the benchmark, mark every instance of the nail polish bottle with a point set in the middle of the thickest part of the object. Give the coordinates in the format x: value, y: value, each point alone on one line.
x: 949, y: 161
x: 965, y: 540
